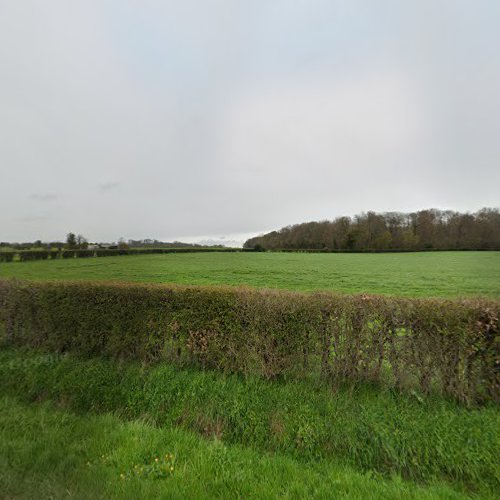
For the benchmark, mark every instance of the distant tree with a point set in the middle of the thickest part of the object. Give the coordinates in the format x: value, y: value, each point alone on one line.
x: 122, y: 244
x: 81, y: 242
x: 350, y: 241
x: 426, y: 229
x: 71, y: 241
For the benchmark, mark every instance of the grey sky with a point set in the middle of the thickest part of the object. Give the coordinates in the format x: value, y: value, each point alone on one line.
x: 211, y: 118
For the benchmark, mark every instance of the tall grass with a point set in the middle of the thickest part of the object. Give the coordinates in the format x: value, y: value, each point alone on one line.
x: 364, y: 428
x: 50, y: 453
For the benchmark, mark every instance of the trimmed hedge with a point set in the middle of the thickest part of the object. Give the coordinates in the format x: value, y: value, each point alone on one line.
x: 445, y: 346
x: 6, y: 256
x: 26, y: 255
x: 33, y: 255
x: 84, y: 253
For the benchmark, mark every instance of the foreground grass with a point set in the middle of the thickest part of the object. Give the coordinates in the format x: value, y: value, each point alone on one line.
x: 367, y: 430
x: 50, y: 453
x: 445, y: 274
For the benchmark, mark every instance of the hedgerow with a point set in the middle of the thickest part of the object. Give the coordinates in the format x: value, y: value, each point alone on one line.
x: 6, y: 256
x: 84, y: 253
x: 33, y: 255
x: 426, y: 345
x: 26, y: 255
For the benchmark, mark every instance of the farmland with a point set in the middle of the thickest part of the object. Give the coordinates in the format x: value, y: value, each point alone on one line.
x: 438, y: 274
x: 92, y: 405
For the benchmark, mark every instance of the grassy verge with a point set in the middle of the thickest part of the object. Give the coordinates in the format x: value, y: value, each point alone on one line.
x: 51, y: 453
x: 365, y: 429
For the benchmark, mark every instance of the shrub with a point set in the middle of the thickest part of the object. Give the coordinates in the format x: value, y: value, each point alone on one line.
x: 428, y: 345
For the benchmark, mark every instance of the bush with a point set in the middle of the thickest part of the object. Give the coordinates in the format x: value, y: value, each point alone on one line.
x: 444, y: 346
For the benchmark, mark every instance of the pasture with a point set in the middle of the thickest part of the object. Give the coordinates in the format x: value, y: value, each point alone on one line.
x: 434, y: 274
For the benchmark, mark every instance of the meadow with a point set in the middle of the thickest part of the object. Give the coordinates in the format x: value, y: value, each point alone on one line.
x: 419, y: 274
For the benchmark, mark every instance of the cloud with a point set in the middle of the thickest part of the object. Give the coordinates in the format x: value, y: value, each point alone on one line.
x: 33, y: 218
x: 44, y: 197
x: 200, y: 119
x: 109, y: 186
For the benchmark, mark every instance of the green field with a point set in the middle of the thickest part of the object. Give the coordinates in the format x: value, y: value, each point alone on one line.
x: 437, y: 274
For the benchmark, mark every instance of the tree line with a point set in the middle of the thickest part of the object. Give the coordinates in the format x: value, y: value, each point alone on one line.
x: 430, y: 229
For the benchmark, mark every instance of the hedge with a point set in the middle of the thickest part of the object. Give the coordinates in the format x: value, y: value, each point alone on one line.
x: 427, y: 345
x: 84, y: 253
x: 26, y: 255
x: 6, y: 256
x: 33, y: 255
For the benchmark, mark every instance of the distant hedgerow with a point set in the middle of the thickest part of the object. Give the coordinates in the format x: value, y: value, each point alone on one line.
x: 28, y: 255
x: 6, y: 256
x: 430, y: 345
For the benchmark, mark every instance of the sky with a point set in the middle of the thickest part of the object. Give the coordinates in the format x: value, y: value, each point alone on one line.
x: 223, y: 119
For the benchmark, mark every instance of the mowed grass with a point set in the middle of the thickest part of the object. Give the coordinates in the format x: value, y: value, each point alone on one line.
x: 436, y: 274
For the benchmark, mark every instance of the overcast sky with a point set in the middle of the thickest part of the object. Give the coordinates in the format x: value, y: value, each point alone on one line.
x: 226, y: 118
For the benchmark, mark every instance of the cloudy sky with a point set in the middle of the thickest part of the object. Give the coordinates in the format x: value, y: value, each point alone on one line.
x: 226, y: 118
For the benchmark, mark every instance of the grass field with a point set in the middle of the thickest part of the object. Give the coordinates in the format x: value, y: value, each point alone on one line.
x: 439, y: 274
